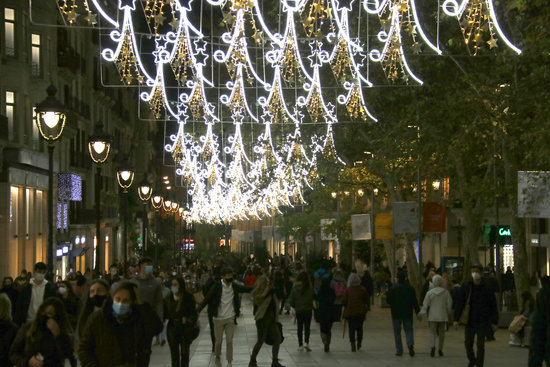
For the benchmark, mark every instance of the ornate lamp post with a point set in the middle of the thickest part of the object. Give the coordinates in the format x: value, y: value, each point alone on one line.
x: 50, y: 119
x: 145, y: 190
x: 125, y: 178
x: 158, y: 202
x: 99, y: 146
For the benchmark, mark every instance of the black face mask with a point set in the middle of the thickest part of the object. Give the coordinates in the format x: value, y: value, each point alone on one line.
x: 7, y: 285
x: 229, y: 280
x: 98, y: 300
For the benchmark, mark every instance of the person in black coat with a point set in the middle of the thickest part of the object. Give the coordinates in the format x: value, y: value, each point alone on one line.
x: 8, y: 330
x: 539, y: 350
x: 45, y: 341
x: 325, y: 311
x: 179, y: 310
x: 9, y: 289
x: 483, y: 314
x: 214, y: 278
x: 26, y: 305
x: 402, y: 300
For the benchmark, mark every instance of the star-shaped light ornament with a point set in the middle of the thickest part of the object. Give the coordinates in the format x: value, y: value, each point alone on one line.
x: 71, y: 16
x: 174, y: 24
x: 159, y: 19
x: 91, y: 18
x: 127, y: 4
x: 258, y: 36
x: 492, y: 43
x: 416, y: 48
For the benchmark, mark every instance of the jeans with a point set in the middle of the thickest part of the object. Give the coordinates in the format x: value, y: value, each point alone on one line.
x: 437, y: 332
x: 179, y: 349
x: 303, y: 319
x: 409, y: 336
x: 227, y: 325
x: 355, y: 324
x: 470, y: 333
x: 326, y: 328
x: 211, y: 324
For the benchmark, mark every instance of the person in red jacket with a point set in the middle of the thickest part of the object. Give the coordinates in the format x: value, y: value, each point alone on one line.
x: 250, y: 278
x: 356, y: 305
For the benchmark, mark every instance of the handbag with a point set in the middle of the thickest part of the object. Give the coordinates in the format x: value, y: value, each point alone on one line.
x: 465, y: 315
x: 269, y: 336
x: 517, y: 324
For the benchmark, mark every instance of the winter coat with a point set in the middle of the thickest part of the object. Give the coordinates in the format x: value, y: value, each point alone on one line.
x: 8, y: 330
x: 539, y: 350
x: 300, y: 300
x: 326, y: 297
x: 108, y: 342
x: 54, y: 350
x: 214, y: 295
x: 24, y: 301
x: 355, y: 301
x: 402, y: 300
x: 187, y: 309
x: 483, y: 304
x: 438, y: 303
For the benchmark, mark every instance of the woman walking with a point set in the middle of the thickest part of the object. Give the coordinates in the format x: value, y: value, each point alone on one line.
x: 182, y: 318
x: 301, y: 300
x: 325, y: 310
x: 266, y: 316
x: 356, y: 305
x: 120, y: 333
x: 99, y: 292
x: 8, y: 330
x: 46, y: 340
x: 438, y: 305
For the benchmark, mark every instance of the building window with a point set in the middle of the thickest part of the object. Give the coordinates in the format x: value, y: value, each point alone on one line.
x: 39, y: 213
x: 9, y: 31
x: 10, y: 113
x: 35, y: 54
x: 14, y: 201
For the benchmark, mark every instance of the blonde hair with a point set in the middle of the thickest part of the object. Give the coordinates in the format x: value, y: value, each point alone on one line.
x: 5, y: 307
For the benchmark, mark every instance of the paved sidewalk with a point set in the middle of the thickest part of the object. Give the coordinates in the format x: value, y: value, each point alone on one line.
x: 378, y: 347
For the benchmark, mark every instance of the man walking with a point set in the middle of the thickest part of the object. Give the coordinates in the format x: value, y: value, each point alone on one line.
x: 482, y: 315
x: 403, y: 302
x: 32, y: 295
x: 223, y: 298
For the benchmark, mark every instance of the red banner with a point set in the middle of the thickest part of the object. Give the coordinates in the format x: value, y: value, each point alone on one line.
x: 434, y: 217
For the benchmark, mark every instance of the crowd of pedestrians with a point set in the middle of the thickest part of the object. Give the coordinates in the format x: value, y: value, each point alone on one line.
x: 114, y: 320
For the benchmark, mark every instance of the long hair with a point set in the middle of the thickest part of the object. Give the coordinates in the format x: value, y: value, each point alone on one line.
x: 88, y: 305
x: 181, y: 293
x: 5, y: 307
x: 70, y: 292
x: 35, y: 332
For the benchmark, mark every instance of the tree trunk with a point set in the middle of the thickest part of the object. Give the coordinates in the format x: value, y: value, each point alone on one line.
x: 521, y: 263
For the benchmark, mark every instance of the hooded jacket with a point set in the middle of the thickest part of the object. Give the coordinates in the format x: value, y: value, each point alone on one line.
x: 438, y: 302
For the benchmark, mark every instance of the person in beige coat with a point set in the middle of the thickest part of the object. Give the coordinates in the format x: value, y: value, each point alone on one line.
x: 437, y: 305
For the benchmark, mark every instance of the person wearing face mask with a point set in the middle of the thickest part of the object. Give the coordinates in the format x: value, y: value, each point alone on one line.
x: 120, y: 333
x: 69, y: 299
x: 31, y: 297
x: 149, y: 287
x: 99, y: 292
x: 9, y: 290
x: 113, y: 276
x: 46, y: 340
x: 482, y: 315
x: 182, y: 317
x: 223, y: 299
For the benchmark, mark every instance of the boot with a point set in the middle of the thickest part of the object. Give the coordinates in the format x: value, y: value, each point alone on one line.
x: 324, y: 339
x: 411, y: 351
x: 359, y: 344
x: 252, y: 363
x: 432, y: 352
x: 327, y: 346
x: 353, y: 347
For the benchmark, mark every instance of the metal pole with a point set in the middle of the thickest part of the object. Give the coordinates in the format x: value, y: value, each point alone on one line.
x: 157, y: 226
x: 125, y: 232
x: 145, y: 226
x: 97, y: 221
x: 50, y: 254
x: 419, y: 215
x: 393, y: 255
x: 372, y: 239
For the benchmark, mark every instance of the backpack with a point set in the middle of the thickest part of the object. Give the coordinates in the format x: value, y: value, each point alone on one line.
x: 339, y: 289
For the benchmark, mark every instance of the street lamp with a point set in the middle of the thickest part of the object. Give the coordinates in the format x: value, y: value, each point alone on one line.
x: 125, y: 178
x: 99, y: 146
x: 157, y: 201
x: 50, y: 119
x: 144, y: 191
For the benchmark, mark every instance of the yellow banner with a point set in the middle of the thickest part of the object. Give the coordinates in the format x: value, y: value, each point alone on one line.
x: 383, y: 226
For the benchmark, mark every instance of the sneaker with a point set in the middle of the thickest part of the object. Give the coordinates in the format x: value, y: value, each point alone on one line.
x: 411, y: 351
x: 307, y: 348
x: 301, y: 348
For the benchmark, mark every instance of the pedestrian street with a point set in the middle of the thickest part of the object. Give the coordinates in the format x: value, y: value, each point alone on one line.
x: 378, y: 346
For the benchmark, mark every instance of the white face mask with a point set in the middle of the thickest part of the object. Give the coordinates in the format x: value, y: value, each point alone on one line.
x: 476, y: 276
x: 62, y: 291
x: 39, y: 276
x: 175, y: 290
